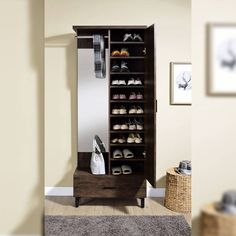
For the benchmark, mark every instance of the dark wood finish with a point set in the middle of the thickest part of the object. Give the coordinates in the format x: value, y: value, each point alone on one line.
x: 141, y: 66
x: 150, y: 96
x: 142, y: 202
x: 77, y: 201
x: 99, y: 186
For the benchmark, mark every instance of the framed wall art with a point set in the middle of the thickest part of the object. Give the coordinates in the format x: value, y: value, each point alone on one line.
x: 180, y: 83
x: 221, y: 55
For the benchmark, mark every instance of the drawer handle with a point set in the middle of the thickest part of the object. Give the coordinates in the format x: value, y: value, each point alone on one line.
x: 109, y: 187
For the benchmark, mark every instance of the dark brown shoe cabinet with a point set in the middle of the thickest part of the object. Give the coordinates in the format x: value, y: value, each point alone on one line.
x: 141, y: 64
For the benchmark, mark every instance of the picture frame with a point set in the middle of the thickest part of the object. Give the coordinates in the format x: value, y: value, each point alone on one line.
x: 180, y: 83
x: 221, y: 59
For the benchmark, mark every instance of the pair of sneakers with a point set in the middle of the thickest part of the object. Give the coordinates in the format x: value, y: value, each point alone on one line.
x: 130, y: 125
x: 119, y: 111
x: 134, y: 37
x: 118, y: 82
x: 126, y: 153
x: 133, y: 81
x: 119, y: 68
x: 134, y: 138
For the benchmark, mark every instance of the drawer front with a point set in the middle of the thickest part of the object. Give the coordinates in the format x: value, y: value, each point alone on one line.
x: 110, y: 186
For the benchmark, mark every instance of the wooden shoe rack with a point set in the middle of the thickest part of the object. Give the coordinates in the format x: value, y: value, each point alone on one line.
x: 141, y: 65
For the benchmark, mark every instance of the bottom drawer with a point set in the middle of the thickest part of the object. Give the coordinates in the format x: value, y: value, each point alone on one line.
x: 124, y: 186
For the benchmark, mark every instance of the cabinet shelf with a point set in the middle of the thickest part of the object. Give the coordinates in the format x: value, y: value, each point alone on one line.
x: 127, y: 73
x: 127, y: 86
x: 127, y: 144
x: 127, y: 101
x: 121, y: 42
x: 128, y: 115
x: 130, y: 57
x: 127, y: 159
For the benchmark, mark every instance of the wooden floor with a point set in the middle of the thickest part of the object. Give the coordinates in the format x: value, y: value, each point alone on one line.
x: 94, y: 207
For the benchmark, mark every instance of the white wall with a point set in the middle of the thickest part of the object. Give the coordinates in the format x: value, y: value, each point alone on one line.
x: 172, y: 20
x: 213, y: 122
x: 21, y: 126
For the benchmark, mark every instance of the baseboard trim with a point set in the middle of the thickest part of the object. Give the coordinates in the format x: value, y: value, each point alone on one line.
x: 68, y: 191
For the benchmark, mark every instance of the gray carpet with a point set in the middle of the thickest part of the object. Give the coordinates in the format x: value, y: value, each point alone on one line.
x: 116, y: 226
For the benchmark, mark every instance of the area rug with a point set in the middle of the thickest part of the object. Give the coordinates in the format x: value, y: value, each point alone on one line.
x: 116, y: 226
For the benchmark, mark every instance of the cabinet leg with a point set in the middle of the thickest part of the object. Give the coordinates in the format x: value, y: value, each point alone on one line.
x: 77, y: 202
x: 142, y: 202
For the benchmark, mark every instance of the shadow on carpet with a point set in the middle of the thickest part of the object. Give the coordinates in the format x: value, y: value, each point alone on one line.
x: 116, y: 226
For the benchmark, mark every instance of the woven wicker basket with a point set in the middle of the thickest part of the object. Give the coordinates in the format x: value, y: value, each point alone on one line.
x: 178, y: 192
x: 214, y: 223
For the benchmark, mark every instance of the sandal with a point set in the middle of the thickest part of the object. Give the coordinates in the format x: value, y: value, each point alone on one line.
x: 138, y: 82
x: 131, y: 138
x: 117, y: 154
x: 127, y: 153
x: 116, y: 171
x: 126, y: 170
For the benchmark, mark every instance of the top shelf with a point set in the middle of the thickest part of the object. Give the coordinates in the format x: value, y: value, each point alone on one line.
x: 121, y: 42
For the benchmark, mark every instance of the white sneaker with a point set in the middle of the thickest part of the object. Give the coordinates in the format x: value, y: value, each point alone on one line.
x: 131, y: 81
x: 133, y: 110
x: 122, y: 110
x: 138, y: 82
x: 122, y: 82
x: 115, y: 82
x: 116, y: 127
x: 124, y: 127
x: 115, y: 111
x: 139, y: 110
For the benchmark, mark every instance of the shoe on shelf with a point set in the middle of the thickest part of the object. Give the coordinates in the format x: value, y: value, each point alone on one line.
x: 115, y: 67
x: 115, y: 96
x: 127, y: 38
x: 122, y: 96
x: 114, y: 140
x: 138, y: 38
x: 139, y: 124
x: 117, y: 154
x: 124, y: 52
x: 133, y: 110
x: 115, y: 82
x: 122, y: 140
x: 131, y: 138
x: 132, y: 96
x: 131, y: 81
x: 122, y: 110
x: 132, y: 125
x: 127, y: 154
x: 124, y: 127
x: 121, y: 82
x: 139, y: 96
x: 116, y: 127
x: 138, y: 82
x: 137, y: 138
x: 115, y: 53
x: 126, y: 170
x: 124, y: 67
x: 115, y: 111
x: 139, y: 110
x: 116, y: 171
